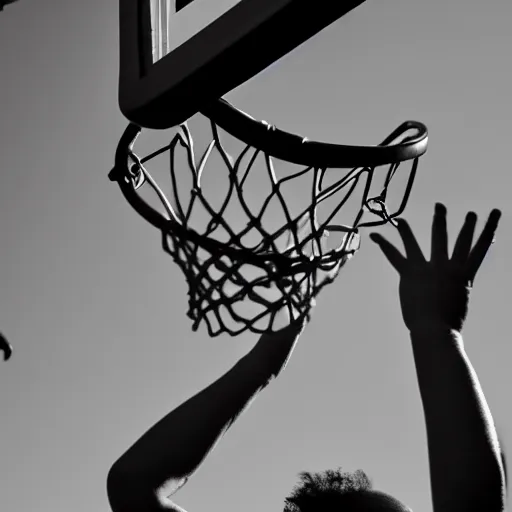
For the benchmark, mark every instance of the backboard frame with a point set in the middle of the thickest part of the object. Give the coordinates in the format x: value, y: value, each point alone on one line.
x: 245, y: 40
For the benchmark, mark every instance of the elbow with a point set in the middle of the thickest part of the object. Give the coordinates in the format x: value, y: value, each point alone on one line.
x: 117, y: 486
x: 128, y: 493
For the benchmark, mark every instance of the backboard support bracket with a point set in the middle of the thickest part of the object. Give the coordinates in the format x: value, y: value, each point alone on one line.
x: 242, y: 42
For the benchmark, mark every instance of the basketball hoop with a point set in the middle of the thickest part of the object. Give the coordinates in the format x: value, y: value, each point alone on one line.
x: 295, y: 274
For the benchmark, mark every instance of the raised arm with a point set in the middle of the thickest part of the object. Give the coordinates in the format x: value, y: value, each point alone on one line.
x: 466, y: 468
x: 164, y: 458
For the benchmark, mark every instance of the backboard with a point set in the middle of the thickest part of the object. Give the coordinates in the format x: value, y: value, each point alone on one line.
x: 178, y: 55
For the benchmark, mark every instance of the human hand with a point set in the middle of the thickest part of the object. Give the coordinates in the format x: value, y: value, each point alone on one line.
x: 5, y: 347
x: 436, y: 292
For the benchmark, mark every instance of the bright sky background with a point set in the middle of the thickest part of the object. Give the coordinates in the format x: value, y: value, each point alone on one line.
x: 96, y: 311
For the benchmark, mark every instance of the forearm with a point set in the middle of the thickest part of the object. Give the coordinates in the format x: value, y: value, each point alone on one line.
x: 462, y: 440
x: 174, y: 448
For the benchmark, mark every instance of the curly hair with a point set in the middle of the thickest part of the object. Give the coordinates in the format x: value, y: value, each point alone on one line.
x: 321, y: 491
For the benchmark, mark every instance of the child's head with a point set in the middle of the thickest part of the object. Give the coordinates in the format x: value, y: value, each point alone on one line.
x: 337, y: 491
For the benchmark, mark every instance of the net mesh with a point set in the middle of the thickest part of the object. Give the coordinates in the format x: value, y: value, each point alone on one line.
x: 278, y: 277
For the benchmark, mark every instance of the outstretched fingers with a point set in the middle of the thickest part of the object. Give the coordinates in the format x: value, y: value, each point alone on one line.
x: 465, y: 240
x: 439, y: 244
x: 393, y: 255
x: 482, y: 245
x: 412, y: 248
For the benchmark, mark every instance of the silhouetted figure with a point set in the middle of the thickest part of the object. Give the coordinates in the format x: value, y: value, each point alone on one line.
x: 5, y: 347
x: 466, y: 465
